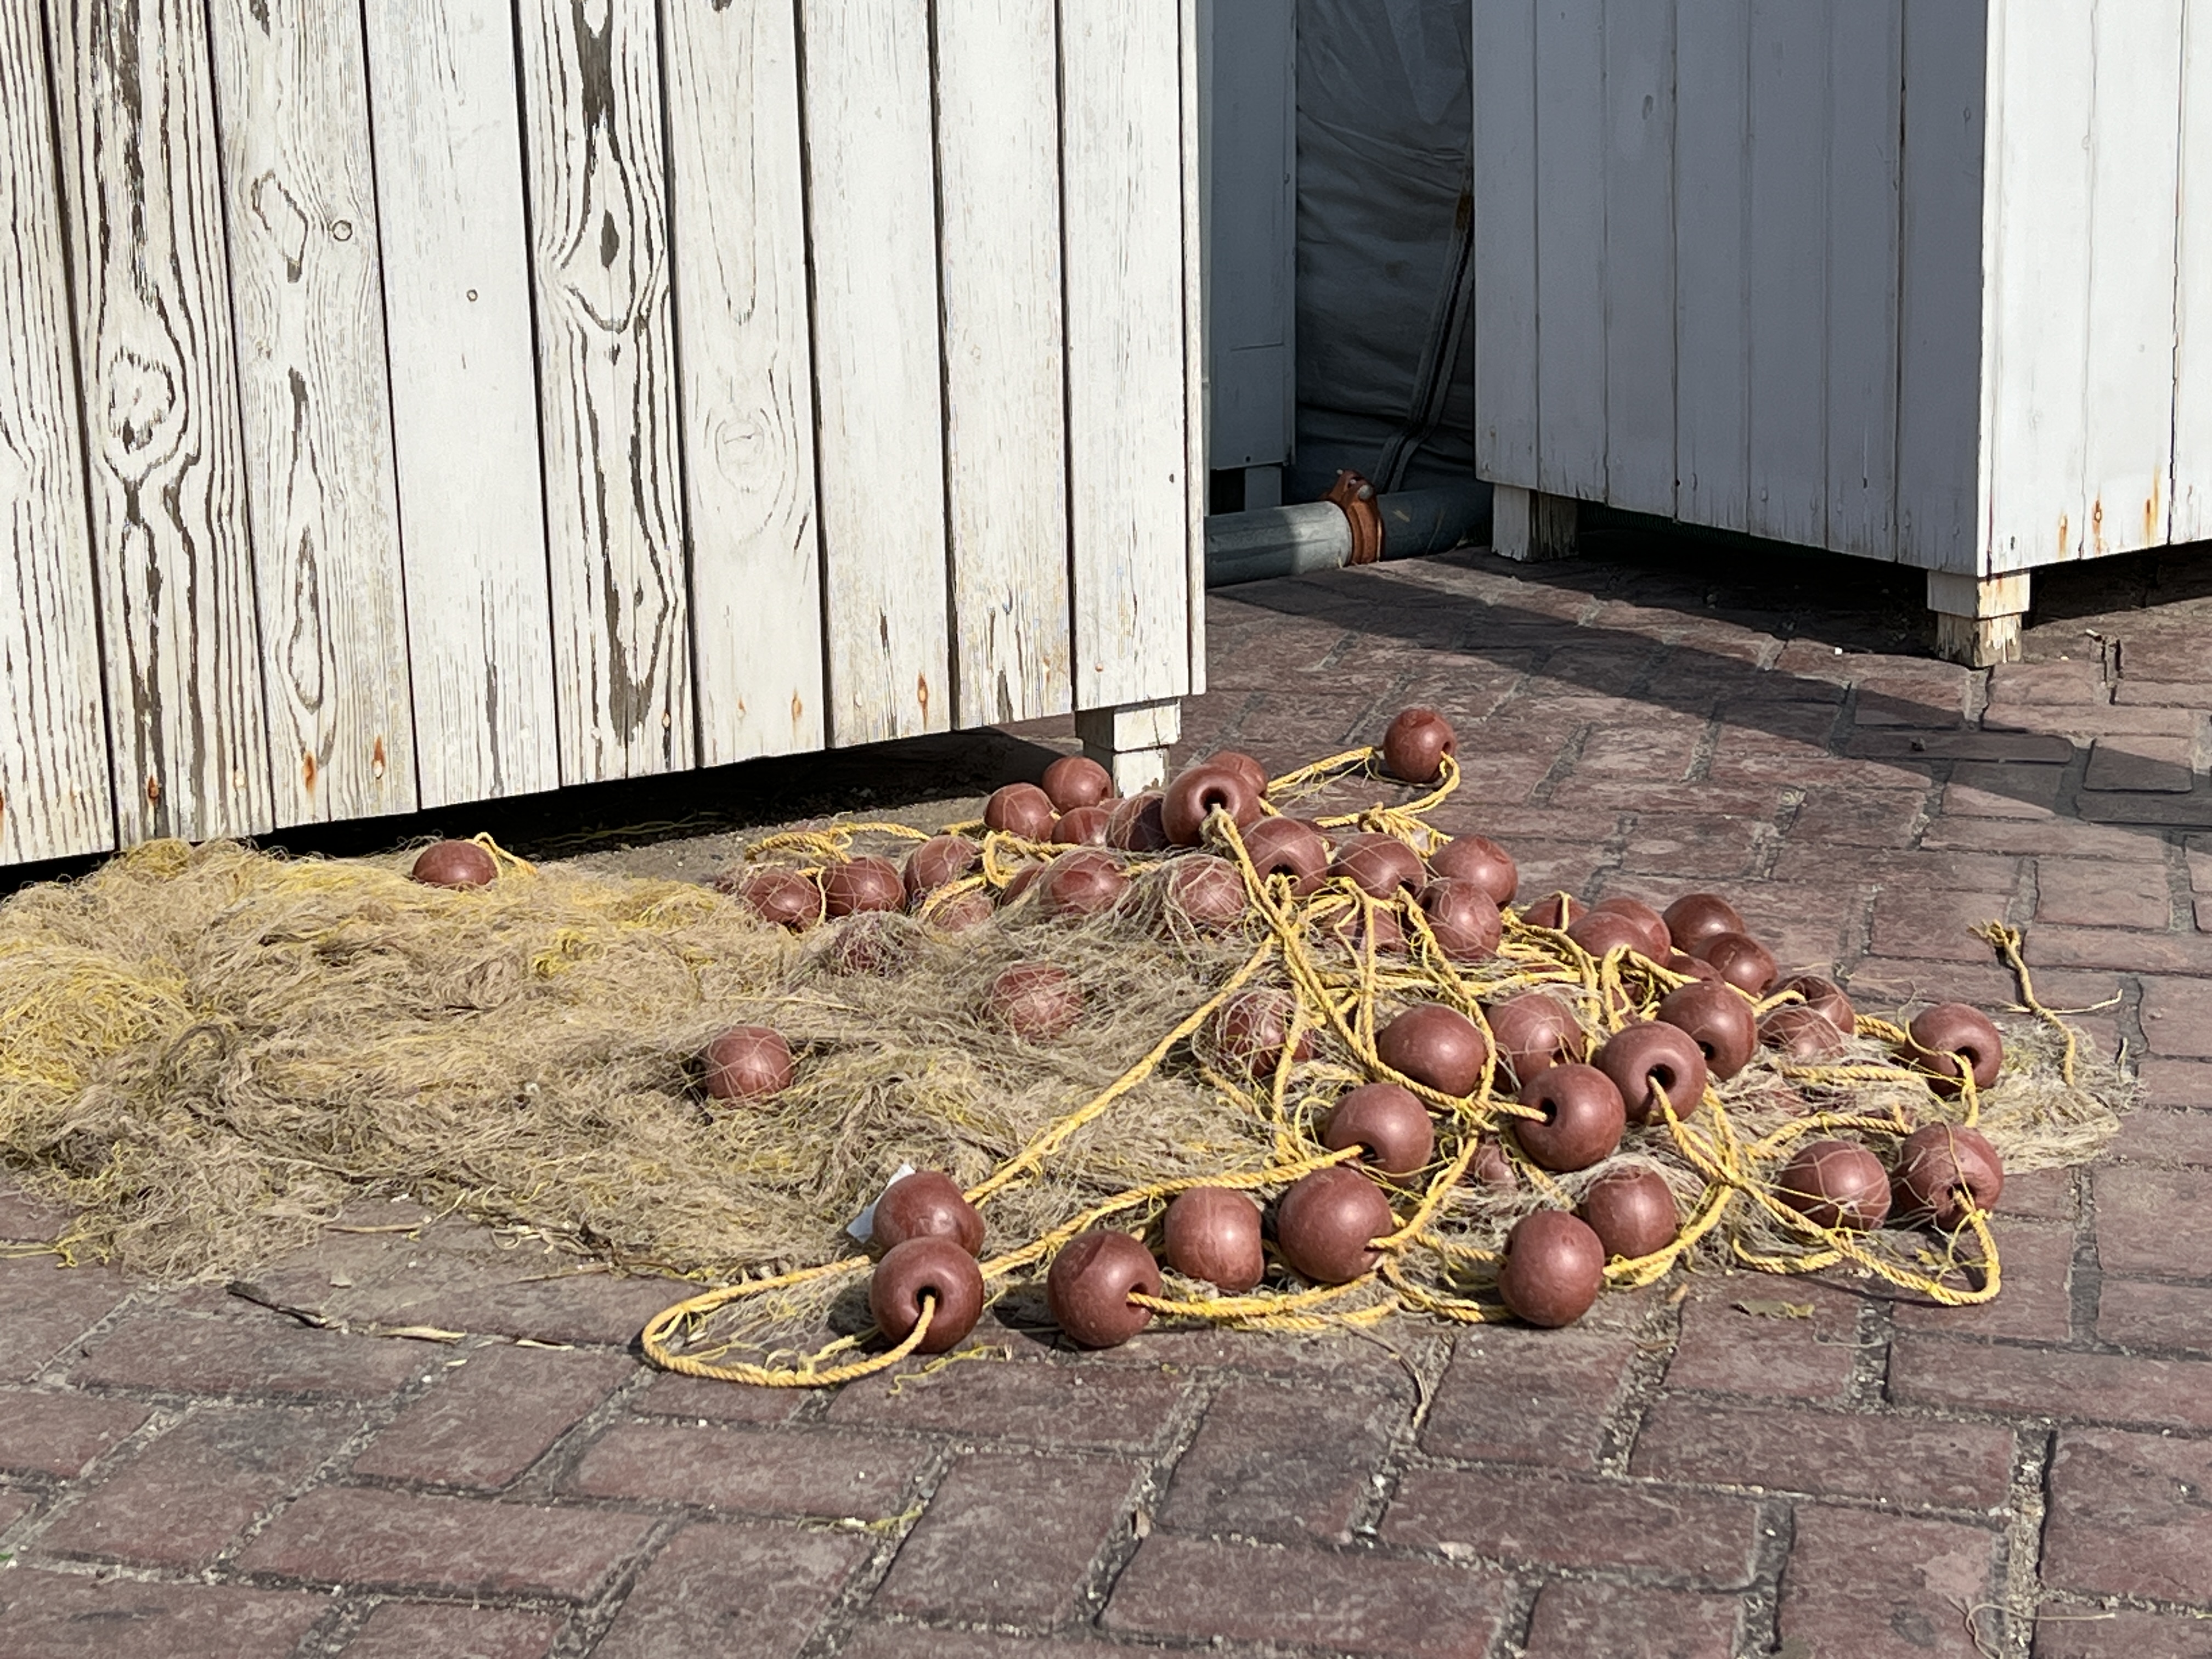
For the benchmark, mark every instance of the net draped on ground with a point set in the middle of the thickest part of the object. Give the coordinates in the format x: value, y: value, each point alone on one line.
x: 208, y: 1052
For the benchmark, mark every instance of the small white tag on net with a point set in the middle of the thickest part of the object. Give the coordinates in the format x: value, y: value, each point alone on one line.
x: 863, y: 1225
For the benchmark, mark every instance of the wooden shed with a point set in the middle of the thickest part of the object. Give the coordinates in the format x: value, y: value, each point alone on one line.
x: 1927, y: 280
x: 412, y: 403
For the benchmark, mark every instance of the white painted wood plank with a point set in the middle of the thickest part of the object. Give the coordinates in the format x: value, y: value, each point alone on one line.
x: 2041, y: 77
x: 160, y: 376
x: 309, y: 307
x: 1940, y: 418
x: 997, y: 126
x: 56, y: 798
x: 1121, y: 156
x: 1639, y: 256
x: 745, y: 374
x: 1570, y: 248
x: 606, y: 380
x: 1194, y: 332
x: 2127, y: 416
x: 2192, y: 488
x: 447, y: 128
x: 1505, y: 415
x: 1711, y: 39
x: 871, y: 192
x: 1864, y: 44
x: 1787, y: 252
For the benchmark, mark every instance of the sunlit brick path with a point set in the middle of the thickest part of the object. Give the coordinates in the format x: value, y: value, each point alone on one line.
x: 189, y: 1473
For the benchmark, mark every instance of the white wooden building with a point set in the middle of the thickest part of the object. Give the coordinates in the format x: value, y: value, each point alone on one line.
x: 381, y: 428
x: 1927, y: 280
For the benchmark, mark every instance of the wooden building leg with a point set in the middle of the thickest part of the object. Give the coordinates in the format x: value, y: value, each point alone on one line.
x: 1978, y: 620
x: 1131, y: 740
x: 1528, y: 525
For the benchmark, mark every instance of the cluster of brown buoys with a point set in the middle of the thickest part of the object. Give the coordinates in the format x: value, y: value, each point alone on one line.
x: 931, y: 1237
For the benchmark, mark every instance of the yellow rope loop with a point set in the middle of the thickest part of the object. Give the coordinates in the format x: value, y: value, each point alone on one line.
x: 2008, y: 943
x: 809, y: 1374
x: 505, y: 862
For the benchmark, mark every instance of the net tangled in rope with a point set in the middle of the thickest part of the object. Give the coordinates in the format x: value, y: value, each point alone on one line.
x: 1719, y: 1156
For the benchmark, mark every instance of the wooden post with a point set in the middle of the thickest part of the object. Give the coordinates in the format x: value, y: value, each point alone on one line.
x: 1528, y: 525
x: 1977, y: 622
x: 1132, y: 740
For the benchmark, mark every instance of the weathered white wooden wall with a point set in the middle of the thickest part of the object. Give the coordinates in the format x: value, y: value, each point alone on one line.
x: 1909, y: 279
x: 407, y: 405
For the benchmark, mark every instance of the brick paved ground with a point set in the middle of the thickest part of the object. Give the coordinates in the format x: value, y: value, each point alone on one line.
x: 192, y: 1474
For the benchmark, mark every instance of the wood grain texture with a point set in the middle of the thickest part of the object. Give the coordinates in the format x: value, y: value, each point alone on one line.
x: 1639, y: 262
x: 606, y: 376
x: 879, y: 417
x: 2042, y: 81
x: 2192, y: 488
x: 1787, y: 253
x: 446, y: 124
x: 1864, y: 51
x: 1005, y: 455
x: 1570, y: 248
x: 160, y: 381
x: 308, y: 303
x: 1120, y: 76
x: 1940, y: 364
x: 1194, y: 332
x: 1505, y: 413
x: 1711, y: 134
x: 746, y: 389
x: 2127, y: 417
x: 56, y: 798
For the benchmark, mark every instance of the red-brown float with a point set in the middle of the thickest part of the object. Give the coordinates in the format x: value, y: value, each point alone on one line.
x: 1415, y: 747
x: 1324, y: 1223
x: 1463, y: 917
x: 1554, y: 1268
x: 783, y: 898
x: 1090, y: 1282
x: 1943, y: 1169
x: 1020, y: 809
x: 747, y: 1062
x: 1243, y: 765
x: 1719, y: 1020
x: 1602, y: 931
x: 1743, y: 962
x: 1074, y: 781
x: 1083, y: 826
x: 1533, y: 1031
x: 1582, y: 1122
x: 454, y: 864
x: 1135, y: 825
x: 1481, y: 860
x: 1696, y: 917
x: 1035, y: 1000
x: 927, y: 1204
x: 1657, y: 944
x: 1388, y: 1122
x: 1644, y: 1059
x: 1435, y: 1045
x: 1379, y: 866
x: 1950, y: 1030
x: 853, y: 885
x: 1193, y: 796
x: 1826, y: 999
x: 1288, y: 847
x: 1205, y: 891
x: 938, y: 862
x: 1083, y: 883
x: 1835, y: 1183
x: 1252, y: 1028
x: 1632, y: 1212
x: 1801, y: 1034
x: 1213, y: 1233
x: 935, y: 1270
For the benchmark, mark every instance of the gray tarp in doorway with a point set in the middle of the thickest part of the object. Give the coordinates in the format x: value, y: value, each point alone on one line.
x: 1385, y: 344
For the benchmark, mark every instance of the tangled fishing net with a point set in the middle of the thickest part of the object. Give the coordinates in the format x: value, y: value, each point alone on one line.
x: 208, y: 1052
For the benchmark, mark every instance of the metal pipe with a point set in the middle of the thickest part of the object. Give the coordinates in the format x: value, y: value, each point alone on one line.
x: 1294, y: 541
